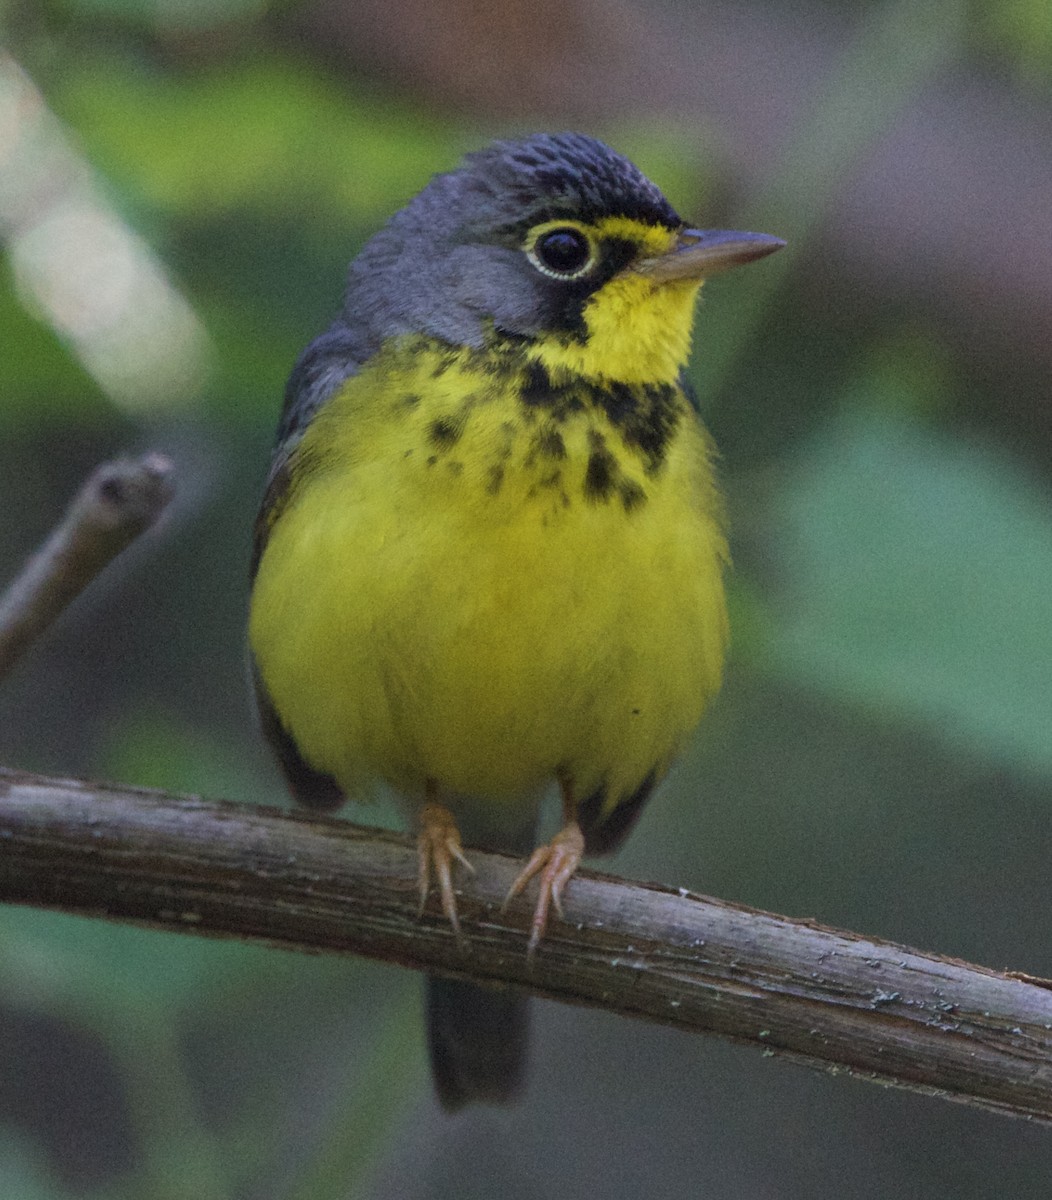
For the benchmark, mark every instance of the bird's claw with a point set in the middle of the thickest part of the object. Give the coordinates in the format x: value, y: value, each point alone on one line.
x: 556, y: 863
x: 438, y: 847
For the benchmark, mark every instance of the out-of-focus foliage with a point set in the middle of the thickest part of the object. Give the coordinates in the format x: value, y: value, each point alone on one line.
x: 1021, y: 30
x: 177, y: 16
x: 36, y: 376
x: 269, y: 139
x: 911, y: 561
x: 880, y: 756
x: 911, y: 585
x: 24, y: 1174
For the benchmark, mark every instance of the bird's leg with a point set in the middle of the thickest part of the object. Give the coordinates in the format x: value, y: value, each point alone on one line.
x: 556, y: 863
x: 438, y: 845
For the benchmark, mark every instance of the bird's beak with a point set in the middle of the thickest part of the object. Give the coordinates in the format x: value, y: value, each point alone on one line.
x: 699, y: 253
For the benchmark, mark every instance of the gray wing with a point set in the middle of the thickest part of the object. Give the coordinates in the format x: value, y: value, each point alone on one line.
x: 322, y: 368
x: 310, y: 787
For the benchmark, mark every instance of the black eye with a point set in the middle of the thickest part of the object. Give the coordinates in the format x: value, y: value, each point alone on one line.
x: 564, y: 252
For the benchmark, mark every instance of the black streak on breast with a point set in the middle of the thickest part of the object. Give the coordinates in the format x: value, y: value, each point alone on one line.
x: 645, y: 415
x: 601, y: 472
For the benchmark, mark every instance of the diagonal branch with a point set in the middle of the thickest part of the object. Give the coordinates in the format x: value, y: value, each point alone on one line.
x: 118, y: 502
x: 825, y: 997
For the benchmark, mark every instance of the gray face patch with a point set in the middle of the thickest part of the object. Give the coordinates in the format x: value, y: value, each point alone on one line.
x: 451, y: 262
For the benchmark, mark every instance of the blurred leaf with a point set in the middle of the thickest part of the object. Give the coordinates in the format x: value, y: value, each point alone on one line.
x: 173, y: 15
x: 370, y: 1116
x: 1022, y: 31
x: 268, y: 136
x: 155, y: 748
x: 120, y: 984
x: 919, y: 582
x: 99, y: 955
x: 38, y: 375
x: 23, y: 1175
x: 908, y: 372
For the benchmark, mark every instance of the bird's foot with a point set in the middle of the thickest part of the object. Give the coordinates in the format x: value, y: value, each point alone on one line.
x: 556, y: 863
x: 438, y: 847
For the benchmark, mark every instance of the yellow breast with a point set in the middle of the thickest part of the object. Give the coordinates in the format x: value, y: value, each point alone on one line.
x: 483, y: 574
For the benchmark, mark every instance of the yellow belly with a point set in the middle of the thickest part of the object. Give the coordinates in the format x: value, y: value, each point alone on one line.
x: 447, y: 602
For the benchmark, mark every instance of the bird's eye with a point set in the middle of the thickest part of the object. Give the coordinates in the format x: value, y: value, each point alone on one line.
x: 563, y: 252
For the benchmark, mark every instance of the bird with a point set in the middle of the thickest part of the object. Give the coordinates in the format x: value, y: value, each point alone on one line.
x: 491, y: 550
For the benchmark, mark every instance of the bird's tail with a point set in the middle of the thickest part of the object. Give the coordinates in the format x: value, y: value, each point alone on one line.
x: 478, y: 1038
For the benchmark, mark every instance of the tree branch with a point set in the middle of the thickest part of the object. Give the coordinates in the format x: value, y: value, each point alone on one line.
x: 119, y: 501
x: 823, y: 996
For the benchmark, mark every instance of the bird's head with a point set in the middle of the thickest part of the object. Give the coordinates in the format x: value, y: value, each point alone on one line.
x: 556, y: 241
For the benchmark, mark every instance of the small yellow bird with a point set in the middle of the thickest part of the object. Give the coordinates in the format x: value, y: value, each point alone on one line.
x: 491, y: 550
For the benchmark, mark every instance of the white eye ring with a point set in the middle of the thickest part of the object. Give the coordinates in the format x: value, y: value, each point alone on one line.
x: 562, y: 252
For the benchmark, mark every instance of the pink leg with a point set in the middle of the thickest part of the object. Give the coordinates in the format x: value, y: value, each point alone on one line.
x: 438, y: 846
x: 556, y: 863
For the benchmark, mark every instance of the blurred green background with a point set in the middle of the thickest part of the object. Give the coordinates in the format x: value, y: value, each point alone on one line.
x: 182, y: 183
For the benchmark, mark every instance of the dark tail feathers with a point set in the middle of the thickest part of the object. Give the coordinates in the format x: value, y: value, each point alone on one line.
x: 478, y: 1039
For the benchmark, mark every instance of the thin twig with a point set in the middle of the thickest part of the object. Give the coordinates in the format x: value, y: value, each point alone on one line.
x: 119, y: 501
x: 826, y: 997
